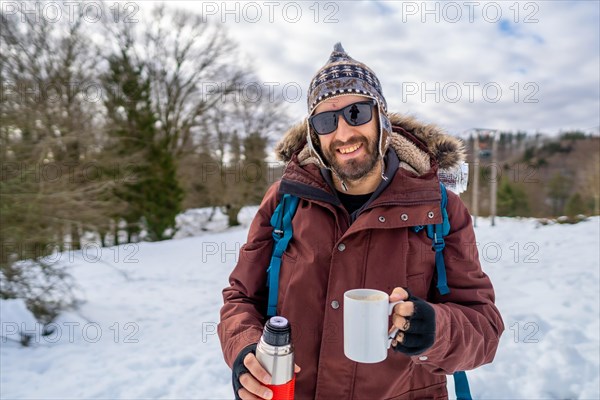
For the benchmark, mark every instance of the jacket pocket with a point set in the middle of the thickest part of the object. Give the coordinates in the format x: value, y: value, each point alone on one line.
x: 286, y: 272
x: 435, y: 392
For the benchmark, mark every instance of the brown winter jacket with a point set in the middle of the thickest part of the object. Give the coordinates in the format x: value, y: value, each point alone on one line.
x: 329, y: 254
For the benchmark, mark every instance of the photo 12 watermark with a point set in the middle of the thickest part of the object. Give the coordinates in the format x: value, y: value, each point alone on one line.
x: 511, y: 253
x: 90, y: 91
x: 525, y: 332
x: 252, y: 92
x: 253, y: 12
x: 525, y: 173
x: 454, y: 92
x: 251, y: 172
x: 91, y: 252
x: 67, y: 172
x: 469, y: 11
x: 54, y: 92
x: 68, y: 331
x: 71, y: 11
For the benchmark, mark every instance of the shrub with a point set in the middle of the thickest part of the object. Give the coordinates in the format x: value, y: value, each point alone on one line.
x: 46, y: 287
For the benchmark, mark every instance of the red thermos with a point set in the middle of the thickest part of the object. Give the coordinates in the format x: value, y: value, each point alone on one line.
x: 276, y: 354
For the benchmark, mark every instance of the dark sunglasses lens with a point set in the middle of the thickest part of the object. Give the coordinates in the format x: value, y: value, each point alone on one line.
x: 354, y: 114
x: 358, y: 114
x: 324, y: 123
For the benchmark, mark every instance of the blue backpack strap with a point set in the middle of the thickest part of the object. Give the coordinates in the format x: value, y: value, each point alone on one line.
x: 436, y: 233
x: 281, y: 221
x: 461, y: 386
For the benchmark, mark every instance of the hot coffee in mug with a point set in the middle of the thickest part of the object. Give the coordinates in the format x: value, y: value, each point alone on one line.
x: 366, y: 326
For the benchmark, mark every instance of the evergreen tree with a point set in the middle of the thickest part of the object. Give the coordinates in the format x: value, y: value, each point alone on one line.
x: 512, y: 200
x: 558, y: 191
x: 246, y: 180
x: 153, y: 195
x: 575, y: 206
x: 161, y: 195
x: 254, y: 168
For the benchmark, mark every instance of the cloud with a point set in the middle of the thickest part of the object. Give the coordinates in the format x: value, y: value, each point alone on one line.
x: 543, y: 55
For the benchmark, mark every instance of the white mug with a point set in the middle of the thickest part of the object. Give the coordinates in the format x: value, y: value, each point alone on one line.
x: 366, y: 314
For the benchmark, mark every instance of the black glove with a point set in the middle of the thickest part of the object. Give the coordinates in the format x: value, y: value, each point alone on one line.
x: 239, y: 368
x: 420, y: 334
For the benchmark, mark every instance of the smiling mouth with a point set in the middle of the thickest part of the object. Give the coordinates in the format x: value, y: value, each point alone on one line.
x: 350, y: 149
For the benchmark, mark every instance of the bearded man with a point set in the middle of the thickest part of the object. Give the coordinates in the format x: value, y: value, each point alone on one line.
x: 364, y: 178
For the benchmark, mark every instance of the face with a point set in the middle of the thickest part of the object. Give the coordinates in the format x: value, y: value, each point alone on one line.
x: 350, y: 150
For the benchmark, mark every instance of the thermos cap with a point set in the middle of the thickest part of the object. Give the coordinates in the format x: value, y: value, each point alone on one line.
x: 277, y: 332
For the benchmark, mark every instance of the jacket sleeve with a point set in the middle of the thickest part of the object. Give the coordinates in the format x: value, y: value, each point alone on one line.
x: 245, y: 299
x: 468, y: 324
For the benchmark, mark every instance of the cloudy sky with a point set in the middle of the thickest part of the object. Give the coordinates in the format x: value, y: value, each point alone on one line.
x: 530, y: 65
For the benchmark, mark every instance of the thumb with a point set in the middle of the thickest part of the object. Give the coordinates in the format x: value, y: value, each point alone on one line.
x: 297, y: 368
x: 399, y: 294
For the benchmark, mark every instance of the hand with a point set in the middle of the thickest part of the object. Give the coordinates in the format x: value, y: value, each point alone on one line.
x: 254, y: 380
x: 415, y: 319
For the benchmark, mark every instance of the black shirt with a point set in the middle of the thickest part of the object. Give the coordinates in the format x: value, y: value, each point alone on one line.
x: 353, y: 202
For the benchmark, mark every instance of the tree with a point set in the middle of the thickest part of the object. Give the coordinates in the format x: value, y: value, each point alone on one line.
x: 254, y: 168
x: 154, y: 196
x: 591, y: 181
x: 49, y: 131
x: 160, y: 193
x: 558, y: 192
x: 200, y: 176
x: 236, y: 148
x: 129, y: 126
x: 192, y: 66
x: 512, y: 200
x: 253, y: 121
x: 575, y: 206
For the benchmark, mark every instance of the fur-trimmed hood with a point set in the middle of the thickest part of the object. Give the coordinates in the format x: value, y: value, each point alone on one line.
x: 415, y: 144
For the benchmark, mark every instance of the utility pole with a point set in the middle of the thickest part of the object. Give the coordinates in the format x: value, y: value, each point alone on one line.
x: 494, y: 180
x: 475, y: 193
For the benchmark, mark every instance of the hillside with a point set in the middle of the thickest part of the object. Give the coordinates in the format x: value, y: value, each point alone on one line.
x: 549, y: 171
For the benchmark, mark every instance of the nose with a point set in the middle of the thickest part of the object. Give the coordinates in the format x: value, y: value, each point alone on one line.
x: 343, y: 131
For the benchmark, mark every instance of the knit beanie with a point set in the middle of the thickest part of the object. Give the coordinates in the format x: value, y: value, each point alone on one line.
x: 342, y: 75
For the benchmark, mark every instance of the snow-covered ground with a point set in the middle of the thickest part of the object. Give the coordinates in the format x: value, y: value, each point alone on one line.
x: 147, y: 328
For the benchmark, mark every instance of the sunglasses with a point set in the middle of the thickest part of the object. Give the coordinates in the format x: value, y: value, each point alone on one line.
x: 354, y: 114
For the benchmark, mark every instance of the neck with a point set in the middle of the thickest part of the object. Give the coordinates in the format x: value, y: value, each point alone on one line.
x: 364, y: 185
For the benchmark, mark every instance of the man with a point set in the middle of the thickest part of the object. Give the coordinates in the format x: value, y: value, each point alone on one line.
x: 364, y: 178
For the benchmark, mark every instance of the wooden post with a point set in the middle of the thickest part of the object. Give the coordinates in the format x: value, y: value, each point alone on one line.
x: 475, y: 194
x: 494, y: 182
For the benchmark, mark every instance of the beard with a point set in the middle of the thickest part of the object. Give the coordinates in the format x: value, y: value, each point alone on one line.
x: 355, y: 168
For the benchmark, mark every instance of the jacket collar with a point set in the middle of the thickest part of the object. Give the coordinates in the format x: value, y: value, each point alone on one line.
x: 416, y: 144
x: 415, y: 154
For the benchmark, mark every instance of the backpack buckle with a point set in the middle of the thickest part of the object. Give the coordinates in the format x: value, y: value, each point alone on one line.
x: 438, y: 244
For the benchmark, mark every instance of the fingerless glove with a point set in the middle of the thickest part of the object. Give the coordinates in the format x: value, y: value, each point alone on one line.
x: 239, y: 368
x: 420, y: 334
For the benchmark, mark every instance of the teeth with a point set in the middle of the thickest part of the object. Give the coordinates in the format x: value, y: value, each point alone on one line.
x: 350, y: 149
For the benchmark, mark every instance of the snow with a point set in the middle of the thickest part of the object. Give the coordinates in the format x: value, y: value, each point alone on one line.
x: 21, y: 319
x: 147, y: 325
x: 195, y: 221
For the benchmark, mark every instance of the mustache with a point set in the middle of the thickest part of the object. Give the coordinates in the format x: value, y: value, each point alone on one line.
x: 355, y: 140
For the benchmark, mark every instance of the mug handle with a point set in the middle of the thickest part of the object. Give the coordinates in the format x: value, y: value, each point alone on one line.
x: 393, y: 334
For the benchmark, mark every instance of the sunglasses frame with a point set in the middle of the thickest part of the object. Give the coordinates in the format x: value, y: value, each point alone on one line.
x: 341, y: 111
